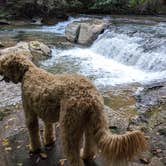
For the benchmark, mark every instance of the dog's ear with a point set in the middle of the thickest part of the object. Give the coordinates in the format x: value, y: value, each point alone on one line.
x: 15, y: 69
x: 18, y: 67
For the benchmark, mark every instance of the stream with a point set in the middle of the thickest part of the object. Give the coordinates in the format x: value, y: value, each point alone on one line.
x: 130, y: 51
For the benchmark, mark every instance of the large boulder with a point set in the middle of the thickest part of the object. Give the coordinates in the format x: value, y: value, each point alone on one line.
x: 39, y: 49
x: 72, y: 31
x: 1, y: 45
x: 33, y: 49
x: 4, y: 22
x: 85, y: 32
x: 21, y: 47
x: 90, y: 31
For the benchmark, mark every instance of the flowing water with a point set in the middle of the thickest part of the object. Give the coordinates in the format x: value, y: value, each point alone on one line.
x: 127, y: 52
x: 124, y: 53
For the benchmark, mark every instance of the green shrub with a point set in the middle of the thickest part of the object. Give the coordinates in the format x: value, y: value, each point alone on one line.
x: 134, y: 3
x: 109, y: 4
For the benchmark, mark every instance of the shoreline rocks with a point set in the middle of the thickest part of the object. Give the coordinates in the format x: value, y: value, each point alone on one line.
x: 4, y: 22
x: 119, y: 122
x: 35, y: 50
x: 85, y: 32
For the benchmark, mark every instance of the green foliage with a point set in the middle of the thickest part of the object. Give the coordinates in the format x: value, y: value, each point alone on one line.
x: 25, y: 8
x: 108, y: 3
x: 134, y: 3
x: 74, y: 3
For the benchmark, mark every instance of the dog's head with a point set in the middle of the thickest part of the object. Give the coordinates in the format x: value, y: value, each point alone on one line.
x: 13, y: 67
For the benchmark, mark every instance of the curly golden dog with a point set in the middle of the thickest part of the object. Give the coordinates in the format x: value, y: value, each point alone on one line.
x: 75, y: 102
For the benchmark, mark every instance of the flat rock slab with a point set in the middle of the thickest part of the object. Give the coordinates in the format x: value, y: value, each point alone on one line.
x: 14, y: 145
x: 14, y: 141
x: 16, y: 153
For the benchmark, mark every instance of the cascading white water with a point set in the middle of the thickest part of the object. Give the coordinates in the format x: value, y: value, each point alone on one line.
x: 131, y: 50
x: 104, y: 71
x: 123, y: 54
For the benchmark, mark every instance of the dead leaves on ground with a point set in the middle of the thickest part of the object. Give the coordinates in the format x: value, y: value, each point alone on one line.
x: 5, y: 143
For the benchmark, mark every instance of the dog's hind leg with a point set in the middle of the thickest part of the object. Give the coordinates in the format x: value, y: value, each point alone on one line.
x: 71, y: 134
x: 90, y: 148
x: 71, y: 145
x: 49, y: 134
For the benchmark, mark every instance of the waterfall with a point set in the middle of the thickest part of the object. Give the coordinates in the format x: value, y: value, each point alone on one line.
x: 133, y: 50
x: 122, y: 54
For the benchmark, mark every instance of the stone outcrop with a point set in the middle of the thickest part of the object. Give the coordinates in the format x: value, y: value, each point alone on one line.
x: 1, y: 45
x: 33, y: 49
x: 72, y: 31
x: 4, y: 22
x: 85, y: 32
x: 39, y: 49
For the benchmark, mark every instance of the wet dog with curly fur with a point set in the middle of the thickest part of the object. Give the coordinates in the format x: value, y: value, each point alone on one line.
x: 75, y: 102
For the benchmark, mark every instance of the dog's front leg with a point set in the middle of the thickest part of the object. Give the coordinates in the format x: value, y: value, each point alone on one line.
x: 33, y: 128
x: 49, y: 135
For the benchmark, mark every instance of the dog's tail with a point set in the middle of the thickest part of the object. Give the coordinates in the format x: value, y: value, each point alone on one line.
x: 116, y: 149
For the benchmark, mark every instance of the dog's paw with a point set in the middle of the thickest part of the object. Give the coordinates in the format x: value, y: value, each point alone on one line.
x: 91, y: 156
x: 50, y: 145
x: 38, y: 154
x: 34, y: 152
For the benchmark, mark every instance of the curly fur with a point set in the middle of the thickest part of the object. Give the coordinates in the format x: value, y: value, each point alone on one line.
x: 76, y: 103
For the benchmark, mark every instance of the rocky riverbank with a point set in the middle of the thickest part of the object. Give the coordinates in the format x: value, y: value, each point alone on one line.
x: 128, y: 108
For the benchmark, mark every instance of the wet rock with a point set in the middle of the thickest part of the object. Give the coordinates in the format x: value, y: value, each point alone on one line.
x: 39, y: 49
x: 150, y: 96
x: 155, y: 162
x: 85, y: 32
x: 33, y: 49
x: 36, y: 21
x: 1, y: 45
x: 136, y: 164
x: 143, y: 108
x: 72, y: 31
x: 162, y: 131
x: 4, y: 22
x: 20, y: 48
x: 16, y: 139
x: 13, y: 128
x: 4, y: 112
x: 3, y: 161
x: 90, y: 31
x: 117, y: 121
x: 7, y: 41
x: 10, y: 94
x: 146, y: 157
